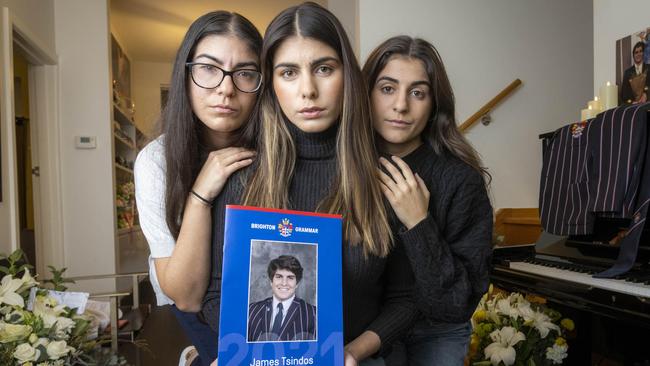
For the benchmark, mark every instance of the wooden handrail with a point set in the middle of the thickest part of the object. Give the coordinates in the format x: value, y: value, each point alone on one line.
x: 489, y: 105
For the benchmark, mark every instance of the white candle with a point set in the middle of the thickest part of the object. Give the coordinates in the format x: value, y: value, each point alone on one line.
x: 609, y: 96
x: 588, y: 113
x: 595, y: 105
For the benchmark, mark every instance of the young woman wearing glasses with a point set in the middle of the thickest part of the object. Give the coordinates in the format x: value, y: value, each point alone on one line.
x: 213, y: 91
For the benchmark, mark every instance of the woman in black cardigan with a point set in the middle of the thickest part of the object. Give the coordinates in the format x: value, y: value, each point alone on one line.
x: 435, y: 183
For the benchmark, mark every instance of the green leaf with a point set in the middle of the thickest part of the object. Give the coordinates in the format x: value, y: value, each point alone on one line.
x: 14, y: 318
x: 80, y: 328
x: 16, y: 255
x: 23, y: 267
x: 43, y: 356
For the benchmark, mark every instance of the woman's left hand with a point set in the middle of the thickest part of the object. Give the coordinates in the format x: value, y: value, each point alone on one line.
x: 406, y: 192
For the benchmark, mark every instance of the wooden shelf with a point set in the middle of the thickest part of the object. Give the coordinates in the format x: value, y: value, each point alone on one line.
x: 124, y: 141
x: 128, y: 230
x: 122, y: 116
x: 123, y: 168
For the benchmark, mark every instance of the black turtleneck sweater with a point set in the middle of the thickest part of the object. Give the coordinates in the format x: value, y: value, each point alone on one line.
x: 376, y: 291
x: 450, y: 250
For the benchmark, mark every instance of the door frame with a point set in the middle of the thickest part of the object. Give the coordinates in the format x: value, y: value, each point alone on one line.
x: 44, y: 116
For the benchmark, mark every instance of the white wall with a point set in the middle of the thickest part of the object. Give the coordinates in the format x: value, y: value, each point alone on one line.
x: 38, y: 17
x: 485, y: 45
x: 613, y: 20
x: 82, y: 43
x: 347, y: 12
x: 146, y: 79
x: 39, y: 14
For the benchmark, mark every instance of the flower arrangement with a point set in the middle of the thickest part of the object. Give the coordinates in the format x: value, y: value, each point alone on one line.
x: 510, y: 329
x: 47, y: 333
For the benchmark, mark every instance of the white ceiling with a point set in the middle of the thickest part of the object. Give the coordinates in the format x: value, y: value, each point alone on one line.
x: 151, y: 30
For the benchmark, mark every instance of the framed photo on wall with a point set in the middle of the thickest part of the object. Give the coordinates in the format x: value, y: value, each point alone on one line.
x: 633, y: 67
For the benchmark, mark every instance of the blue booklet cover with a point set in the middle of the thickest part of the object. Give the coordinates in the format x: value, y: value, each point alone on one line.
x: 281, y: 301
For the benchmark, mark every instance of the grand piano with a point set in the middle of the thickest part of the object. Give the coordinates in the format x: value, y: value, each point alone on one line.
x: 612, y: 315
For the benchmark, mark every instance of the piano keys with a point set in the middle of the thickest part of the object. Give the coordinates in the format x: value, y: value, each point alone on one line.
x: 622, y: 286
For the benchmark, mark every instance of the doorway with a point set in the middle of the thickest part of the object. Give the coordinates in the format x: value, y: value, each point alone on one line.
x: 24, y: 164
x: 31, y: 209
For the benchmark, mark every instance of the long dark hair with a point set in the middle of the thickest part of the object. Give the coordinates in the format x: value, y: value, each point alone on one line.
x: 441, y: 130
x: 184, y: 155
x: 356, y: 192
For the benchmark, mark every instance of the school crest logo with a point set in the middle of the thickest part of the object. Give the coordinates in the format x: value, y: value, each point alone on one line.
x: 285, y: 227
x: 577, y: 128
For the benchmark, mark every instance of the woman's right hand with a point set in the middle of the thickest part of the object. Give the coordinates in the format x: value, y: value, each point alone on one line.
x: 406, y: 191
x: 218, y: 167
x: 350, y: 360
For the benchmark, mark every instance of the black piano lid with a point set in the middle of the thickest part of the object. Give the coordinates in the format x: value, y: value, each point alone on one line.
x: 585, y: 250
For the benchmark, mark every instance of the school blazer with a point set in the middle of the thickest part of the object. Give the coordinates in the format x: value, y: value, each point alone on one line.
x: 601, y: 165
x: 299, y: 324
x: 593, y: 166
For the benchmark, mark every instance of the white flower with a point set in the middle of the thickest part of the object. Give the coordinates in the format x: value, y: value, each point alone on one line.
x: 15, y: 317
x: 502, y: 349
x: 27, y: 281
x: 47, y: 300
x: 41, y: 342
x: 557, y: 353
x: 491, y: 312
x: 25, y: 353
x: 517, y: 298
x: 538, y: 320
x: 8, y: 294
x: 503, y: 307
x: 13, y: 332
x: 64, y: 326
x: 57, y: 349
x: 44, y: 309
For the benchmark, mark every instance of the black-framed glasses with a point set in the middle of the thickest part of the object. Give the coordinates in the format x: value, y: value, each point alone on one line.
x: 209, y: 76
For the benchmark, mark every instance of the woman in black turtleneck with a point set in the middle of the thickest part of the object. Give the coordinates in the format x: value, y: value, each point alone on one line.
x: 435, y: 183
x: 316, y: 153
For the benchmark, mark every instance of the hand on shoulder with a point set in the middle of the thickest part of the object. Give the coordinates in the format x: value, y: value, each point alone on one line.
x: 218, y: 167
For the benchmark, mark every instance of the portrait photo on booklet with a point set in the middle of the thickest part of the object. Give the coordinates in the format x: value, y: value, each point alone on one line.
x: 282, y: 292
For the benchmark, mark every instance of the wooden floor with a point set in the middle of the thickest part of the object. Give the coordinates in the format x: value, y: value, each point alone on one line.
x: 161, y: 331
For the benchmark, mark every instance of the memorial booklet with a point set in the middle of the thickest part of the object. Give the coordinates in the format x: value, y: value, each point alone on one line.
x: 281, y: 298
